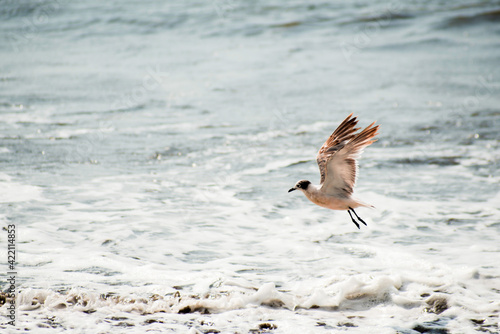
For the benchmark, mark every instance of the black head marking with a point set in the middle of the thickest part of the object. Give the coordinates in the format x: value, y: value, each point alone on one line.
x: 303, y: 184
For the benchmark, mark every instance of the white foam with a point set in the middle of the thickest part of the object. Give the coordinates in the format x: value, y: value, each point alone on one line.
x: 17, y: 192
x: 349, y: 295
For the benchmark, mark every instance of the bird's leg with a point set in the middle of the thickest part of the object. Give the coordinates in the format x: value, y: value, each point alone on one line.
x: 361, y: 220
x: 355, y: 222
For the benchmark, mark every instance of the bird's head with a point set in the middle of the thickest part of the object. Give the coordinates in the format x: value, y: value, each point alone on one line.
x: 302, y: 185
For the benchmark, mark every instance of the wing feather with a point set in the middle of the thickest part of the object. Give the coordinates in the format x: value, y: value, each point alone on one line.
x: 337, y: 157
x: 337, y: 140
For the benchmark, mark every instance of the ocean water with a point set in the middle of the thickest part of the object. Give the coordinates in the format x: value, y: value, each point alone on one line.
x: 146, y: 150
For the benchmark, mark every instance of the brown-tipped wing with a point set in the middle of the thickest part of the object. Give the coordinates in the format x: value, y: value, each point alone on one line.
x: 344, y: 132
x: 337, y: 157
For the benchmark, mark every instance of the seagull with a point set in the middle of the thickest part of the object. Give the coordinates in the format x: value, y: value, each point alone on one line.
x: 338, y: 168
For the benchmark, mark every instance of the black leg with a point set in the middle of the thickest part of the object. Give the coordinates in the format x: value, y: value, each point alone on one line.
x: 355, y: 223
x: 361, y: 220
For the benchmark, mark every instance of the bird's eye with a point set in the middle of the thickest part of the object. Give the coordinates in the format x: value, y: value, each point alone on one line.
x: 298, y: 185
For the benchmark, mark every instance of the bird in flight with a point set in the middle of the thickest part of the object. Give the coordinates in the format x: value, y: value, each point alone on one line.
x: 338, y: 168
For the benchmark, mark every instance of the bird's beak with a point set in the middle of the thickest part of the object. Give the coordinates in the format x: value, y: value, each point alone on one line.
x: 292, y: 189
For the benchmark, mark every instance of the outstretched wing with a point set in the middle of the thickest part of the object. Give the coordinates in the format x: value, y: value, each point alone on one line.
x: 344, y: 132
x: 337, y: 157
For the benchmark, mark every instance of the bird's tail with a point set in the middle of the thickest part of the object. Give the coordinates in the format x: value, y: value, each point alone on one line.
x: 361, y: 203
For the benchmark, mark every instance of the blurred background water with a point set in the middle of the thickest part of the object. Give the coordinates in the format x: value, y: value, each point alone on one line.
x: 146, y: 150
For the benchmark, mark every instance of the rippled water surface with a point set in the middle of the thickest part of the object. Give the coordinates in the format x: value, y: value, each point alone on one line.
x: 146, y: 150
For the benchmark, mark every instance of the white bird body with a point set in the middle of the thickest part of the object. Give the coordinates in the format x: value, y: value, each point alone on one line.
x: 330, y: 201
x: 338, y: 168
